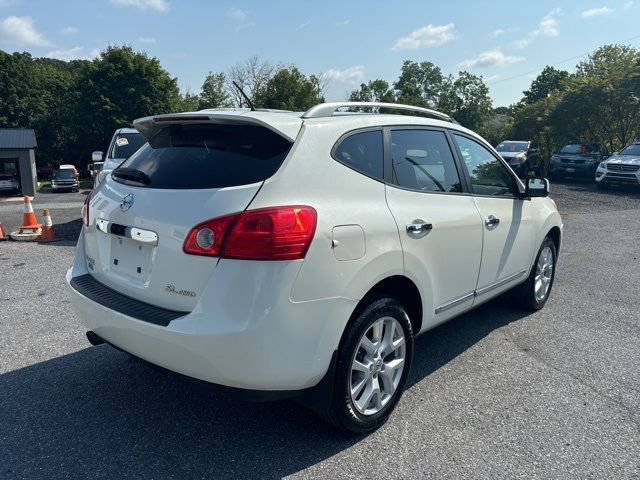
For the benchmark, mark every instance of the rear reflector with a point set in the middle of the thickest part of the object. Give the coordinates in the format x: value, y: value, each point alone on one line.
x: 275, y: 233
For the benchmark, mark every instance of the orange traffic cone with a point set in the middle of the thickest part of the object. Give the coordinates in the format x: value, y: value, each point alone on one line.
x: 3, y: 234
x: 48, y: 234
x: 30, y: 228
x: 29, y: 221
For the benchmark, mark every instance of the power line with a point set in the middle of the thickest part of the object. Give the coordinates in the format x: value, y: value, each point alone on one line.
x: 552, y: 64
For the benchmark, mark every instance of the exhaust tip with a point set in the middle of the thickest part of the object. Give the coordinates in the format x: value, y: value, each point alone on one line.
x: 94, y: 339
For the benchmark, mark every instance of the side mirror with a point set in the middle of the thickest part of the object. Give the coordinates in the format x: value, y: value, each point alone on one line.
x: 537, y: 187
x: 96, y: 156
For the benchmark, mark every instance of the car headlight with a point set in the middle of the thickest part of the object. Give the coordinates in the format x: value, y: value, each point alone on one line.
x: 602, y: 166
x: 521, y: 157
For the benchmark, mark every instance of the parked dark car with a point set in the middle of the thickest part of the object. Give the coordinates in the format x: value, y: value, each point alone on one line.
x: 577, y: 159
x: 522, y: 156
x: 64, y: 179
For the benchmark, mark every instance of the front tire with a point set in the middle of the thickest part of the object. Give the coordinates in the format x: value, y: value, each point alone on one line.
x: 372, y: 367
x: 535, y: 291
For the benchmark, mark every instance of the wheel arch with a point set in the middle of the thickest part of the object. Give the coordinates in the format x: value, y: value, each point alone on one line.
x: 402, y: 289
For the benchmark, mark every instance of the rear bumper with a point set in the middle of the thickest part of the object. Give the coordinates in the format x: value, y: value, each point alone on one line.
x: 260, y: 340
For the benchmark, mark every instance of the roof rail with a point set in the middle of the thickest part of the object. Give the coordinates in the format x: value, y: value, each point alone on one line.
x: 328, y: 109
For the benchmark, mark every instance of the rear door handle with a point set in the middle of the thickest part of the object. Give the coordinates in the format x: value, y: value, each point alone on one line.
x: 491, y: 221
x: 418, y: 226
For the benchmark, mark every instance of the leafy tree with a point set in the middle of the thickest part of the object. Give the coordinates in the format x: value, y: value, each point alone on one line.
x: 549, y: 80
x: 214, y: 92
x: 467, y: 100
x: 118, y: 87
x: 189, y: 102
x: 420, y: 84
x: 373, y: 91
x: 289, y: 89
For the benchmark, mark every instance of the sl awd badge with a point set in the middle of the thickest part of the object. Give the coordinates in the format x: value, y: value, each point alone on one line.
x: 127, y: 202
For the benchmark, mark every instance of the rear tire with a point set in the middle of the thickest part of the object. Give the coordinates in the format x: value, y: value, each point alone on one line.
x: 373, y: 363
x: 535, y: 291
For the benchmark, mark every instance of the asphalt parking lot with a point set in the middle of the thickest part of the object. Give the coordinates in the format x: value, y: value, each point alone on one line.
x: 496, y: 393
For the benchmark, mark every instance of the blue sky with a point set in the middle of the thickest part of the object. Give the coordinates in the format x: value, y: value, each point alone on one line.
x: 506, y: 42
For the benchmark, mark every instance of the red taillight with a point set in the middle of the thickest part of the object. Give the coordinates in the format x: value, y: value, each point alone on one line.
x: 276, y: 233
x: 85, y: 210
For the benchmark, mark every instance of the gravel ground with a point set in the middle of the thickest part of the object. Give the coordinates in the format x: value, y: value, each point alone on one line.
x: 495, y: 393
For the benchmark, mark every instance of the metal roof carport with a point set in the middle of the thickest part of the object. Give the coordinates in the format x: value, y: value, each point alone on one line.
x: 17, y: 156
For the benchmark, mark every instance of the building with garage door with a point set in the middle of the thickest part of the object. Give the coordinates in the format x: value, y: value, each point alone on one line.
x: 18, y: 157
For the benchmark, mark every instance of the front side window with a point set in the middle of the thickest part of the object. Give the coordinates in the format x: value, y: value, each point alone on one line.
x: 422, y: 160
x: 488, y: 175
x: 363, y: 152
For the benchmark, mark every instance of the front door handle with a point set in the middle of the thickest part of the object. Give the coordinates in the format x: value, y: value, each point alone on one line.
x: 418, y: 226
x: 491, y: 221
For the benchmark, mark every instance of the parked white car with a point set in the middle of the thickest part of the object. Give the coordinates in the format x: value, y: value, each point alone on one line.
x: 620, y: 168
x: 8, y: 183
x: 285, y: 254
x: 124, y: 143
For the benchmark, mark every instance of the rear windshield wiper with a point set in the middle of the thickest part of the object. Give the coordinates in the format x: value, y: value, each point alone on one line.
x: 132, y: 174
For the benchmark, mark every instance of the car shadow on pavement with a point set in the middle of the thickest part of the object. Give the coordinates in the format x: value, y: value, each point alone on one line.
x: 582, y: 185
x: 99, y: 413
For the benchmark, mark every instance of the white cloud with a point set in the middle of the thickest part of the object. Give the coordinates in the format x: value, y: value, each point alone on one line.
x: 597, y: 12
x: 303, y: 25
x: 349, y: 75
x: 157, y: 5
x: 21, y: 31
x: 492, y: 58
x: 237, y: 14
x: 628, y: 5
x: 342, y: 23
x: 148, y: 40
x: 69, y: 31
x: 547, y: 27
x: 427, y: 36
x: 502, y: 31
x: 75, y: 53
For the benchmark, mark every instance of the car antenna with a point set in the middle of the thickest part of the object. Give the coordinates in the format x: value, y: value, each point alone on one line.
x: 244, y: 95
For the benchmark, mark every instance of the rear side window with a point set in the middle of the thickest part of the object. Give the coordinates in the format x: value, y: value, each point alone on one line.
x: 205, y: 156
x: 422, y: 160
x: 362, y: 152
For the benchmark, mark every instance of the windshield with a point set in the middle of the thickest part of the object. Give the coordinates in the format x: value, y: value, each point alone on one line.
x: 205, y: 156
x: 126, y: 145
x: 580, y: 148
x: 513, y: 147
x: 633, y: 149
x: 63, y: 174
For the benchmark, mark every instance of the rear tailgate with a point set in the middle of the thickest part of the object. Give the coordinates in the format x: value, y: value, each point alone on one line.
x: 188, y: 173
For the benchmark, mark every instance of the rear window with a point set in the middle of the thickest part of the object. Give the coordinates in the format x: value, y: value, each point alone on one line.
x: 205, y: 156
x: 126, y: 144
x: 580, y: 148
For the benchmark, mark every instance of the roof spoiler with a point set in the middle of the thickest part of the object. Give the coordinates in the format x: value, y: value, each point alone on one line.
x: 287, y: 126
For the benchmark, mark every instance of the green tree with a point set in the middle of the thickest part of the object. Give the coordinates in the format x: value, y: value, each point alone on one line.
x: 118, y: 87
x: 549, y: 80
x: 420, y: 84
x: 467, y: 100
x: 373, y: 91
x: 289, y: 89
x: 214, y: 92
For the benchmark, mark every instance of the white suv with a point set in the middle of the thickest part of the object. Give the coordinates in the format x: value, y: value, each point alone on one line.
x: 284, y: 254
